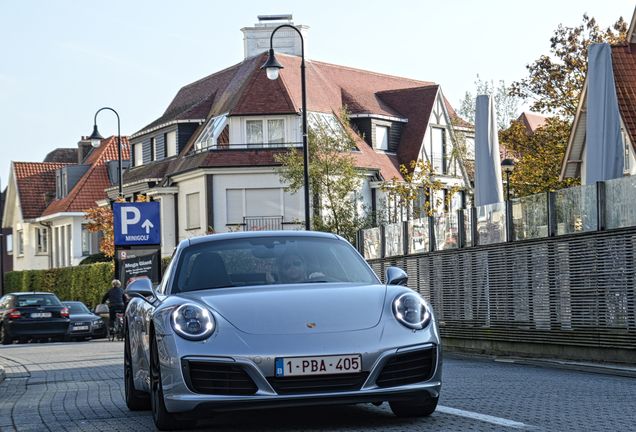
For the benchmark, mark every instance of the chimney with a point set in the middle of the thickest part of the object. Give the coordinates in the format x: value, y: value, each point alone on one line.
x: 286, y: 40
x: 83, y: 149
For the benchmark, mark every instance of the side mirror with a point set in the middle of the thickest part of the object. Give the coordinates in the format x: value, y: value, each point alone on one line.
x: 396, y: 276
x: 141, y: 288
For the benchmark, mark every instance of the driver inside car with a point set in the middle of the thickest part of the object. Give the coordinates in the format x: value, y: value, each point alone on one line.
x: 293, y: 269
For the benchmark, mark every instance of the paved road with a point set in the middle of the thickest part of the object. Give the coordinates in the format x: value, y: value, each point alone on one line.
x: 78, y: 387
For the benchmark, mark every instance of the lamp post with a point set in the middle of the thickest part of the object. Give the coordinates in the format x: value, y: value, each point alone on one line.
x: 507, y: 166
x: 273, y: 67
x: 96, y: 140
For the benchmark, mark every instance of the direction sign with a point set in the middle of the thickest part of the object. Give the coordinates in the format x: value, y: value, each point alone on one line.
x: 136, y: 223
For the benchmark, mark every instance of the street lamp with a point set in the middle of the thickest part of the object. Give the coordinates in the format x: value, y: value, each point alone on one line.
x: 507, y: 166
x: 96, y: 140
x: 272, y: 68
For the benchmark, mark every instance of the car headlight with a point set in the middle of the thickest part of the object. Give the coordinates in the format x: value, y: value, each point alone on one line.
x: 98, y: 323
x: 193, y: 322
x: 411, y: 311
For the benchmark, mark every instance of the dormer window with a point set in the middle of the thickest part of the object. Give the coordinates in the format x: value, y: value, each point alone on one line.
x: 270, y: 131
x: 138, y: 154
x: 382, y: 137
x: 210, y: 135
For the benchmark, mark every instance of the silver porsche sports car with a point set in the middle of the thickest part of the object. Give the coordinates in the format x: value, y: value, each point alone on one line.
x: 273, y: 319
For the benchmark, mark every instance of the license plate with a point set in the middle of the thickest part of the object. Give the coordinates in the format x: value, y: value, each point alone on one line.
x: 323, y: 365
x: 41, y: 315
x: 80, y: 328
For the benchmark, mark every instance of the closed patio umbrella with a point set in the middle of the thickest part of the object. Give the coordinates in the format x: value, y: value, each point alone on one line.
x: 488, y: 186
x: 604, y: 156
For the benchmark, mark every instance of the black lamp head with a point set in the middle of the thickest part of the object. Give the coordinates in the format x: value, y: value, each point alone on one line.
x: 95, y: 138
x: 272, y: 66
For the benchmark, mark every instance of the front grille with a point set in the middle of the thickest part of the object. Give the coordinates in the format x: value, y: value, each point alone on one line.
x: 217, y: 378
x: 408, y: 368
x: 318, y: 383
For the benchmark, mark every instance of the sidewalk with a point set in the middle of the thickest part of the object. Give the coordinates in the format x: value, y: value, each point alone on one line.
x: 618, y: 369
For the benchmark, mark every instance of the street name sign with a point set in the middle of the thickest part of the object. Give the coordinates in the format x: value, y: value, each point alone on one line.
x: 136, y: 223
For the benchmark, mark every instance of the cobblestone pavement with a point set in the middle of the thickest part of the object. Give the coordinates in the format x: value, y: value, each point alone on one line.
x: 79, y: 387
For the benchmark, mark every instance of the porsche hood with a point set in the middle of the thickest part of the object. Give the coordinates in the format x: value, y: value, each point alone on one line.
x: 296, y: 309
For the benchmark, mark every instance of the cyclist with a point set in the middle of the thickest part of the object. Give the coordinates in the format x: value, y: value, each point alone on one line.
x: 116, y: 302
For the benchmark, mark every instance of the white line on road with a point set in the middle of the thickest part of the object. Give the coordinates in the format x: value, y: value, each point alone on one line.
x: 481, y: 417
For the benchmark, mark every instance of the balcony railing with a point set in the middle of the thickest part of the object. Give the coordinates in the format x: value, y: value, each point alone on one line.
x: 249, y: 146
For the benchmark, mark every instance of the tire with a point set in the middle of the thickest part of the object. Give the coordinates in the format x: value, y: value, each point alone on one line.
x: 421, y: 406
x: 135, y: 400
x: 162, y: 418
x: 5, y: 337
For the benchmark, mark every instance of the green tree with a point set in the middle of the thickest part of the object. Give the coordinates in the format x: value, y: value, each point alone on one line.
x: 333, y: 176
x: 506, y: 105
x: 419, y: 180
x: 555, y: 81
x: 538, y: 156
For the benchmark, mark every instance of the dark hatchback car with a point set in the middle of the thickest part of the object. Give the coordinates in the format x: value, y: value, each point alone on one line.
x: 84, y: 323
x: 32, y: 315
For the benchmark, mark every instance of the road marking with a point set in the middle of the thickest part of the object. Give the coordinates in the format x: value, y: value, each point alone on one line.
x: 481, y: 417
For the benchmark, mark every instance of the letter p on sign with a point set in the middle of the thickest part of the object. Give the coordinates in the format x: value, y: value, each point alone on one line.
x: 135, y: 217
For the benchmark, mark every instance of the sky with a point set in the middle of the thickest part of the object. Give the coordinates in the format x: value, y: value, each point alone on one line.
x: 60, y: 61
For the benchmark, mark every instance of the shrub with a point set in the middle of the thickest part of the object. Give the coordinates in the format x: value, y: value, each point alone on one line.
x: 86, y: 283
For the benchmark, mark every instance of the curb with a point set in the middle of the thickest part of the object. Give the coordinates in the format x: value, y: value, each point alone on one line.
x: 2, y: 374
x: 617, y: 369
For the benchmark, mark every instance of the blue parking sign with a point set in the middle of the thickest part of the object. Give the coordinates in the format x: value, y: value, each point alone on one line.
x: 136, y: 223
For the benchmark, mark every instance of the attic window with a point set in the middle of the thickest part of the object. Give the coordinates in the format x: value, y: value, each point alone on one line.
x: 209, y: 137
x: 382, y: 137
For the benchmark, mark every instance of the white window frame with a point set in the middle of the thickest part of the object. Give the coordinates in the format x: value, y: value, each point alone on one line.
x: 170, y: 143
x: 384, y: 145
x: 41, y: 241
x: 8, y: 244
x: 153, y: 149
x: 193, y: 215
x: 20, y: 241
x: 265, y: 127
x: 138, y: 154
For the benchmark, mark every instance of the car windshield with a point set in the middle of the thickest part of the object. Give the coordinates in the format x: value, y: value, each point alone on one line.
x: 26, y: 300
x: 268, y: 261
x: 77, y: 308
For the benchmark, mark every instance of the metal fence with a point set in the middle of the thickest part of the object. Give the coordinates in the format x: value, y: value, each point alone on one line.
x: 571, y: 290
x: 556, y: 268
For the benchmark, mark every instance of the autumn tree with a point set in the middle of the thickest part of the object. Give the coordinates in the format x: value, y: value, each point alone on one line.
x: 100, y: 220
x: 555, y: 80
x: 506, y: 105
x: 333, y: 176
x: 538, y: 156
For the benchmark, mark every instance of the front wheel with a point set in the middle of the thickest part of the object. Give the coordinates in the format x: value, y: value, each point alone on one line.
x: 421, y: 406
x: 135, y: 400
x: 162, y: 418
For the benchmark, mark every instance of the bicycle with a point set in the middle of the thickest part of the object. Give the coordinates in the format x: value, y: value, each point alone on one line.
x: 117, y: 331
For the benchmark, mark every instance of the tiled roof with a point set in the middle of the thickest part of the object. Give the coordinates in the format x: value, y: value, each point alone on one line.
x: 532, y: 121
x: 36, y: 185
x: 416, y: 105
x: 624, y: 64
x: 244, y: 89
x: 90, y: 188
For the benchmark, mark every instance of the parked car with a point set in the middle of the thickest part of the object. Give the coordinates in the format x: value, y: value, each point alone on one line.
x: 281, y: 318
x: 32, y: 315
x: 84, y: 323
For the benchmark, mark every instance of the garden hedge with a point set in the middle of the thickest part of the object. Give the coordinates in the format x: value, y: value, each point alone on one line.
x: 86, y: 283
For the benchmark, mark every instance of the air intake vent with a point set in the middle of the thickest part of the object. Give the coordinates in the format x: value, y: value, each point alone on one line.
x: 217, y: 378
x: 318, y: 383
x: 408, y: 368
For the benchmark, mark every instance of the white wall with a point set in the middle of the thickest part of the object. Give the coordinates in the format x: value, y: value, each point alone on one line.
x: 291, y: 205
x: 193, y: 184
